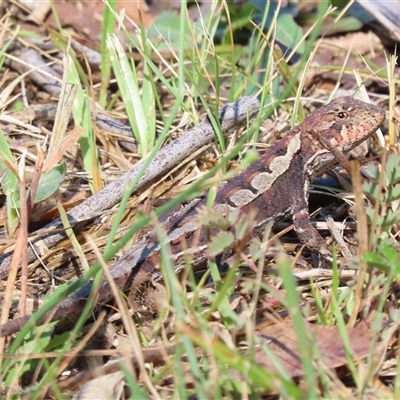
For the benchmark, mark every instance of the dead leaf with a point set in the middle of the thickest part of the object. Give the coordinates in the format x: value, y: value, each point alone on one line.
x: 281, y: 339
x: 84, y: 18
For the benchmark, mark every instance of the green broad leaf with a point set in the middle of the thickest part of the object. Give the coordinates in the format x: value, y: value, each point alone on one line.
x: 9, y: 184
x: 348, y: 24
x: 372, y: 171
x: 393, y: 169
x: 219, y: 243
x: 166, y: 30
x: 244, y: 226
x: 376, y: 261
x: 392, y: 218
x: 50, y: 182
x: 385, y: 259
x: 371, y: 190
x: 255, y: 248
x: 32, y: 344
x: 370, y: 214
x: 393, y: 194
x: 289, y: 33
x: 58, y: 341
x: 392, y: 162
x: 390, y: 254
x: 213, y: 219
x: 35, y: 343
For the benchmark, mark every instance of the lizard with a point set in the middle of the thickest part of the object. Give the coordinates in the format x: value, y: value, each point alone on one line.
x: 273, y: 187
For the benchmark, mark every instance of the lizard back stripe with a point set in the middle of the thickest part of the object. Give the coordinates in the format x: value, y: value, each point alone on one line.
x: 263, y: 181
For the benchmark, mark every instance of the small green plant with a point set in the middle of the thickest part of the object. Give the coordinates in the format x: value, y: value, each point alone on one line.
x: 383, y: 213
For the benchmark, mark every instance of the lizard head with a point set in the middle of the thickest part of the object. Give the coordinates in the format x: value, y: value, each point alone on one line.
x: 335, y: 129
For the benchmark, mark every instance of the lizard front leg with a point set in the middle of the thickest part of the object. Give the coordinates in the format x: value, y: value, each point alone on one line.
x: 306, y: 232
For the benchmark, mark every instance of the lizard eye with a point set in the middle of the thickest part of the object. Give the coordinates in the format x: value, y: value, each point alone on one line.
x: 341, y: 115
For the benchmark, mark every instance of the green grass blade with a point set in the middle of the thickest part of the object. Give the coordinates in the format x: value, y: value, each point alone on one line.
x: 128, y: 84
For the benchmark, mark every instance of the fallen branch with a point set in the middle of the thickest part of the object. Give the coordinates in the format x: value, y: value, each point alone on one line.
x: 232, y: 116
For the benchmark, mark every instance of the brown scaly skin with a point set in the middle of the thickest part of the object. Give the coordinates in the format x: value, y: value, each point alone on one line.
x: 274, y: 186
